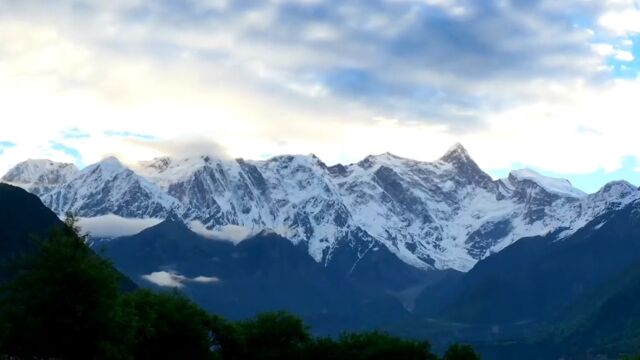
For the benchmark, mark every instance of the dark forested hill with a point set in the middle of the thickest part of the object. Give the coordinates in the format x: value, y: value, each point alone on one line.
x: 537, y: 278
x: 571, y: 296
x: 23, y: 220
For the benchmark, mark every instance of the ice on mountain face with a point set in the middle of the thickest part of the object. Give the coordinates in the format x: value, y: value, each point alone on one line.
x: 559, y: 187
x: 446, y: 214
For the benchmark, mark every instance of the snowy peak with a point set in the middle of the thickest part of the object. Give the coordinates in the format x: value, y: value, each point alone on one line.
x: 110, y: 165
x: 157, y: 165
x: 165, y: 170
x: 465, y: 168
x: 456, y: 154
x: 619, y: 189
x: 40, y: 172
x: 40, y: 176
x: 109, y: 187
x: 105, y: 169
x: 560, y: 187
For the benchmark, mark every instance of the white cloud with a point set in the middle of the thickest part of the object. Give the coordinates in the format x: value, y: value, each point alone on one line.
x: 205, y: 279
x: 175, y: 280
x: 109, y: 226
x: 225, y: 86
x: 165, y: 279
x: 607, y: 50
x: 603, y: 49
x: 623, y: 20
x: 232, y: 233
x: 548, y: 136
x: 624, y: 55
x: 196, y: 145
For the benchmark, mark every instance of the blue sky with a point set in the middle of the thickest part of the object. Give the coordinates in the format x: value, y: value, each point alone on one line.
x: 546, y: 84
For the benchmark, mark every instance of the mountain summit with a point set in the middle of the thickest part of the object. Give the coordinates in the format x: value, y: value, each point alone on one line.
x: 457, y: 153
x: 446, y: 214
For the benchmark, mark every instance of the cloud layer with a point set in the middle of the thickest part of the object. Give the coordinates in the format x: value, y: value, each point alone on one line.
x: 112, y: 226
x: 552, y: 82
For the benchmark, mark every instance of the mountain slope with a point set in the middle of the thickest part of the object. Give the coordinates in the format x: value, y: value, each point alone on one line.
x: 538, y: 279
x: 610, y: 325
x: 23, y: 220
x: 265, y: 272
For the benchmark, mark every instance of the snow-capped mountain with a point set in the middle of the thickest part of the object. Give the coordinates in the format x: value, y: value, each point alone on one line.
x: 40, y: 176
x: 446, y: 214
x: 108, y: 187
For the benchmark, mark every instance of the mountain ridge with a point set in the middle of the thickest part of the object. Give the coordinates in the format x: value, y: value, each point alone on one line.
x: 446, y: 214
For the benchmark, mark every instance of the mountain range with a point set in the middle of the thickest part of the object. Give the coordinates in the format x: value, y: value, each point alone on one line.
x: 446, y: 214
x: 524, y: 267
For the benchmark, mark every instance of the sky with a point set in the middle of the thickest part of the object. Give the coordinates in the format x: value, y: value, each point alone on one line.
x: 550, y: 85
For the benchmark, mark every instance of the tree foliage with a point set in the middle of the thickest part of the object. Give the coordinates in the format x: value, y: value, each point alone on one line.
x: 461, y: 352
x: 167, y: 326
x: 66, y: 302
x: 63, y: 302
x: 369, y: 346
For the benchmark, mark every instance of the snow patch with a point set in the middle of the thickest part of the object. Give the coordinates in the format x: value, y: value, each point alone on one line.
x: 599, y: 226
x: 556, y: 186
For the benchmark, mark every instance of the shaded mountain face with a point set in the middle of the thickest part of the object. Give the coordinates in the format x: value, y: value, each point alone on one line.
x: 540, y: 279
x: 607, y: 322
x: 23, y: 220
x: 265, y: 272
x: 446, y: 214
x: 545, y: 297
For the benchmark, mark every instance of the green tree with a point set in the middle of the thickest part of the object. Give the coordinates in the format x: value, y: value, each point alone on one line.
x: 228, y: 341
x: 323, y: 348
x: 273, y: 335
x: 64, y: 303
x: 461, y: 352
x: 168, y: 326
x: 380, y: 346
